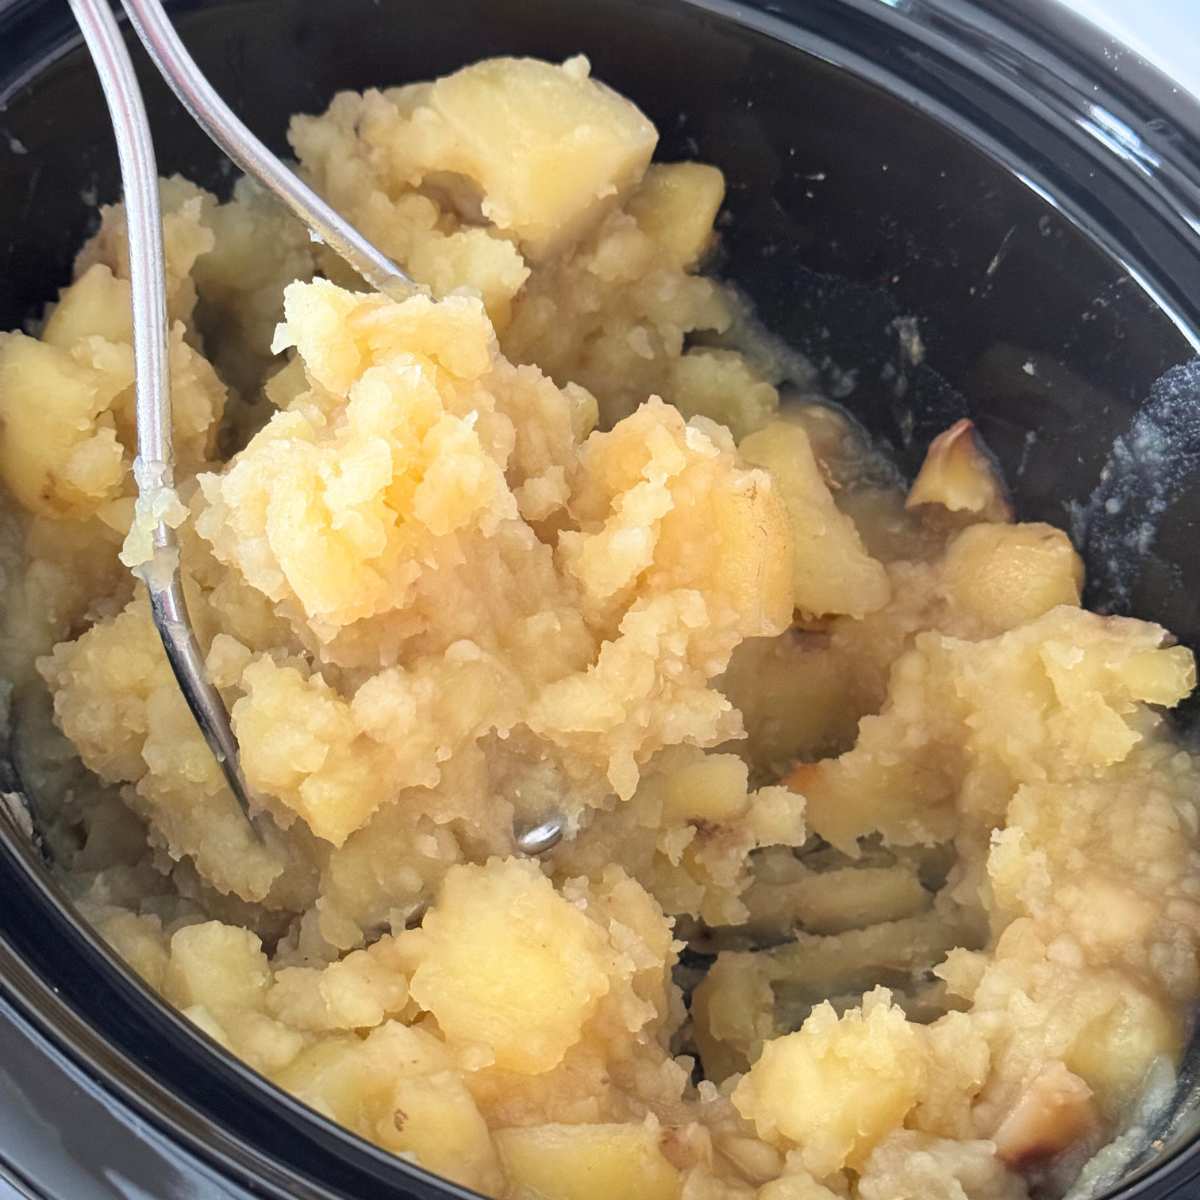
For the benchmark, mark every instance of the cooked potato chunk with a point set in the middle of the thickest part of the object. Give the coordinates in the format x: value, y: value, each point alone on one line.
x: 435, y: 1119
x: 1053, y: 1113
x: 587, y: 1162
x: 97, y: 304
x: 1064, y: 690
x: 582, y: 146
x: 676, y: 205
x: 398, y: 1087
x: 1006, y: 575
x: 59, y: 451
x: 833, y: 572
x: 217, y: 966
x: 913, y: 1166
x: 836, y: 1088
x: 959, y: 475
x: 503, y: 961
x: 721, y: 385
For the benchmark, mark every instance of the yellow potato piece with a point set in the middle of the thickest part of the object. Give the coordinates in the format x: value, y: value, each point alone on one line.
x: 721, y: 385
x: 676, y: 206
x: 504, y: 961
x: 713, y: 789
x: 582, y: 145
x: 836, y: 1088
x: 435, y: 1119
x: 959, y: 475
x: 59, y: 452
x: 1113, y: 1053
x: 956, y: 706
x: 1006, y: 575
x: 217, y: 966
x: 1053, y: 1113
x: 833, y: 573
x: 587, y: 1162
x: 97, y: 304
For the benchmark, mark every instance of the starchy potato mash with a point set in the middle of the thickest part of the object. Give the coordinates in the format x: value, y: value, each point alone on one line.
x: 538, y: 539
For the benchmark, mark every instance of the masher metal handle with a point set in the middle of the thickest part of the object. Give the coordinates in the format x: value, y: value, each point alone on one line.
x: 153, y: 469
x: 221, y: 124
x: 139, y: 175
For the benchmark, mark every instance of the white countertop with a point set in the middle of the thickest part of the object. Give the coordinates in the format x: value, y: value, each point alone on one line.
x: 1164, y: 32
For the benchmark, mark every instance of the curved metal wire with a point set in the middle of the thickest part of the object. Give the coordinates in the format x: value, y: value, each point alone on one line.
x: 154, y: 467
x: 221, y: 124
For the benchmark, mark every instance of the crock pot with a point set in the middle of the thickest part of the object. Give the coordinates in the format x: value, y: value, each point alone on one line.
x: 994, y: 176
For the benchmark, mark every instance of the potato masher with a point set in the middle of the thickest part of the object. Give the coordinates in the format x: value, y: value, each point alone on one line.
x: 154, y: 466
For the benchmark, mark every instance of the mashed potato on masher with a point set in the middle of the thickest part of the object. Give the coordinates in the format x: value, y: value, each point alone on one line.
x: 537, y: 540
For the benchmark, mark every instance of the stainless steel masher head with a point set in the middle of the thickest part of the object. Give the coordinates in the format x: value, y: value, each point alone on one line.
x: 154, y: 465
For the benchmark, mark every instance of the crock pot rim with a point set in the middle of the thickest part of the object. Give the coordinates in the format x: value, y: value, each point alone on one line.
x: 1006, y: 43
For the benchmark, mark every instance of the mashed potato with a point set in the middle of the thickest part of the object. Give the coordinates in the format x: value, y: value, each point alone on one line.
x: 528, y: 542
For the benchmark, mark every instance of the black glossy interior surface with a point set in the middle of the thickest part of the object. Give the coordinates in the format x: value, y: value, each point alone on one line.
x: 848, y: 207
